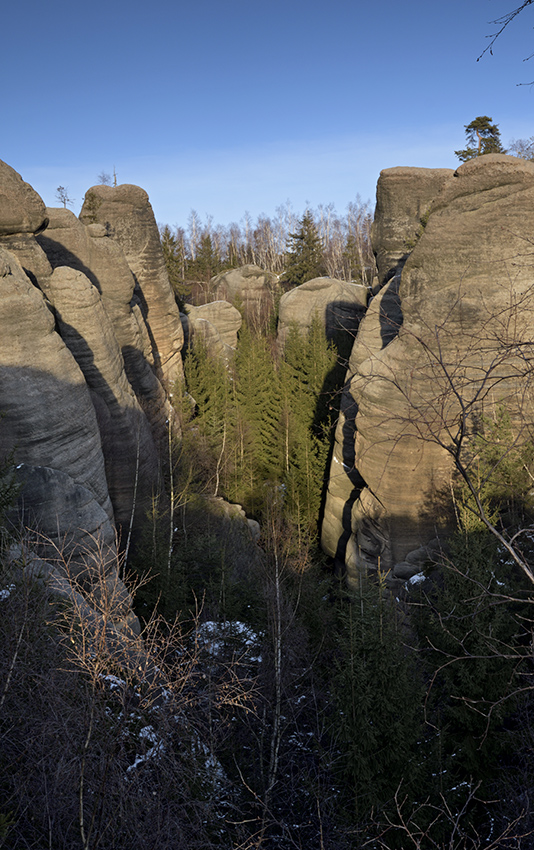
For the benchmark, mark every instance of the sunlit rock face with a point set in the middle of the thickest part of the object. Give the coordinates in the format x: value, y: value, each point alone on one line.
x: 131, y: 462
x: 337, y: 304
x: 448, y: 333
x: 89, y: 249
x: 22, y: 215
x: 127, y: 215
x: 250, y: 287
x: 22, y: 210
x: 78, y: 358
x: 403, y: 199
x: 216, y: 324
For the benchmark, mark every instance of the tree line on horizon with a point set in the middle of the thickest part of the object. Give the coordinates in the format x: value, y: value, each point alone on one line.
x: 336, y: 245
x: 321, y: 242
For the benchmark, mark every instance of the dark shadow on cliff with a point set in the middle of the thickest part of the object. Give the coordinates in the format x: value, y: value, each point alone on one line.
x: 130, y: 454
x: 390, y: 315
x: 58, y: 256
x: 56, y: 433
x: 343, y: 318
x: 334, y: 395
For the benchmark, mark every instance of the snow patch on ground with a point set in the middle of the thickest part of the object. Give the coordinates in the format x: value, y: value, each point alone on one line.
x: 417, y: 578
x: 6, y: 592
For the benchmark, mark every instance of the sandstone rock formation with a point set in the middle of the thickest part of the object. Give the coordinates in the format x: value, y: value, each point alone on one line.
x: 222, y: 315
x: 76, y: 381
x: 127, y: 215
x: 403, y: 198
x: 426, y: 366
x: 253, y: 287
x: 68, y: 242
x: 21, y: 208
x: 132, y: 468
x: 49, y: 421
x: 339, y: 305
x: 22, y: 215
x: 216, y: 323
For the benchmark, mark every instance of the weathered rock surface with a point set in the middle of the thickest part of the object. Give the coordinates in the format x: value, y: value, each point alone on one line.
x: 22, y: 214
x: 132, y: 468
x: 246, y: 282
x: 83, y: 331
x: 21, y: 209
x: 48, y: 417
x: 467, y: 309
x: 201, y: 329
x: 216, y: 324
x: 403, y: 198
x: 252, y: 287
x: 68, y: 242
x: 127, y: 215
x: 378, y: 327
x: 222, y: 315
x: 339, y: 306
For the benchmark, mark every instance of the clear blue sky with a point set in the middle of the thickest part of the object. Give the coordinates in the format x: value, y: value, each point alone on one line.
x: 227, y: 106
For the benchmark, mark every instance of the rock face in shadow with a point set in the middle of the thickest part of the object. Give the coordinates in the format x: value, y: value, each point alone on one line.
x: 48, y: 418
x: 450, y: 333
x: 80, y: 400
x: 127, y: 215
x: 338, y: 305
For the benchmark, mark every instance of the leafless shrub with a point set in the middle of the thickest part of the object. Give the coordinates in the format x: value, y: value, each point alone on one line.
x: 109, y: 739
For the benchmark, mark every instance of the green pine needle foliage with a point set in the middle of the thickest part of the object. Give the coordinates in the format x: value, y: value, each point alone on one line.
x: 304, y: 258
x: 378, y: 694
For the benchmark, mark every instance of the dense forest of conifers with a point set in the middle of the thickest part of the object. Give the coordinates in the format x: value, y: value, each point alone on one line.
x: 289, y: 712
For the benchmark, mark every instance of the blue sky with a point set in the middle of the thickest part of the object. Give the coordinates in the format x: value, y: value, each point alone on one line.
x: 235, y: 106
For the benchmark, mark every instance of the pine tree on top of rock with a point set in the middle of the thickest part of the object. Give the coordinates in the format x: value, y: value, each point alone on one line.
x: 482, y: 137
x: 304, y: 258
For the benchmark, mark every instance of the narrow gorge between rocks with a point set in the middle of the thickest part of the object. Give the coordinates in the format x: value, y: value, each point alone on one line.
x: 267, y: 549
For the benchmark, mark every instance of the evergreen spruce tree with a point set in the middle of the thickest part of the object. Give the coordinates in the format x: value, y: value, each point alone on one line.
x: 208, y: 382
x: 207, y: 262
x: 378, y: 694
x: 174, y: 255
x: 472, y: 631
x: 258, y: 406
x: 304, y: 259
x: 308, y: 362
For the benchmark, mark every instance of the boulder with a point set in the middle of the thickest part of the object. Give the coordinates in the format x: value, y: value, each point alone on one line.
x: 21, y: 209
x: 127, y: 215
x: 222, y: 315
x: 201, y: 329
x: 460, y: 349
x: 251, y: 287
x: 247, y: 283
x: 339, y: 306
x: 22, y: 215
